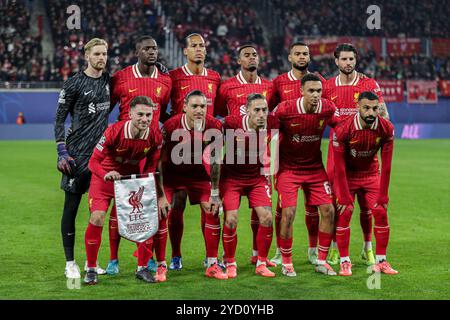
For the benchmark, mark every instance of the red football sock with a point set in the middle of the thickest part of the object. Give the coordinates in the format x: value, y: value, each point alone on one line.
x: 312, y: 224
x: 114, y: 237
x: 175, y: 223
x: 144, y: 252
x: 264, y: 239
x: 203, y: 222
x: 254, y: 222
x: 365, y: 219
x: 278, y: 224
x: 324, y: 244
x: 160, y: 241
x: 229, y: 241
x: 92, y: 240
x: 286, y: 250
x: 381, y: 230
x: 212, y: 234
x: 343, y: 240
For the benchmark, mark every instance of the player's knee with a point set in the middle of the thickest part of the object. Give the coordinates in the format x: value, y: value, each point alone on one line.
x: 327, y: 213
x: 266, y: 219
x: 343, y: 219
x: 380, y: 216
x: 231, y: 220
x: 97, y: 218
x: 288, y: 214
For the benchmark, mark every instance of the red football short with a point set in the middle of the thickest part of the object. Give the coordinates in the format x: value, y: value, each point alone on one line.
x: 101, y: 193
x: 315, y: 187
x: 258, y: 192
x: 366, y: 190
x: 197, y: 190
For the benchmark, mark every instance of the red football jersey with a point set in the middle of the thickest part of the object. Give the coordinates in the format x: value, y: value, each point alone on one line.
x: 118, y: 151
x: 128, y: 83
x: 233, y: 94
x: 184, y: 81
x: 355, y: 151
x: 238, y: 127
x: 175, y: 162
x: 287, y: 87
x: 301, y: 134
x: 345, y: 97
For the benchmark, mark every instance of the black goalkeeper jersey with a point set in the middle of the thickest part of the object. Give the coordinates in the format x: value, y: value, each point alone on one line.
x: 87, y: 100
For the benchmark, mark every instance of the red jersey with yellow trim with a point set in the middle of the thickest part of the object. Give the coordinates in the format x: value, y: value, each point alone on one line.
x: 243, y: 135
x: 345, y: 97
x: 233, y: 94
x: 179, y: 138
x: 301, y: 134
x: 184, y: 81
x: 128, y: 83
x: 118, y: 151
x: 287, y: 87
x: 355, y: 151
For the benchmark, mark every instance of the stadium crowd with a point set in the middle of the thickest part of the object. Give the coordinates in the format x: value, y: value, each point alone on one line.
x: 225, y: 26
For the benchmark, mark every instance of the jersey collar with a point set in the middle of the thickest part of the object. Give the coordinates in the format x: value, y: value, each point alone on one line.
x: 185, y: 124
x: 292, y: 77
x: 127, y: 131
x: 137, y: 73
x: 240, y: 78
x: 358, y: 125
x: 301, y: 107
x: 188, y: 72
x: 353, y: 83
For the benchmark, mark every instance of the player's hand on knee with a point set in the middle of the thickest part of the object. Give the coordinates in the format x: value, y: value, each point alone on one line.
x: 66, y: 164
x: 384, y: 205
x: 216, y: 203
x: 342, y: 207
x: 111, y: 176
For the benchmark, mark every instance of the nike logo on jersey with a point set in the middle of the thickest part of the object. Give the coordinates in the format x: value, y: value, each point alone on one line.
x: 295, y: 124
x: 121, y: 150
x: 287, y: 91
x: 333, y: 98
x: 131, y: 90
x: 185, y: 87
x: 86, y: 93
x: 240, y: 95
x: 353, y: 141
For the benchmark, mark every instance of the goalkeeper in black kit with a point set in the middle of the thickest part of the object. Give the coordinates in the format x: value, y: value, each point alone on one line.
x: 86, y: 97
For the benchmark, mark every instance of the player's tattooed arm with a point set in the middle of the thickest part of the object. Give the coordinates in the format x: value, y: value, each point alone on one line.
x: 383, y: 111
x: 215, y: 177
x: 163, y: 204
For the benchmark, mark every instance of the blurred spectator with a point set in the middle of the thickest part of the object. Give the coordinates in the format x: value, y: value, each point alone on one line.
x: 20, y: 120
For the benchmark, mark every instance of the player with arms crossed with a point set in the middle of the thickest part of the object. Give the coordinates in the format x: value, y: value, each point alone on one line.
x: 192, y: 76
x: 355, y: 145
x: 119, y: 152
x: 140, y: 79
x: 248, y: 179
x: 185, y: 138
x: 287, y: 86
x: 232, y: 100
x: 302, y: 123
x: 344, y: 90
x: 85, y: 96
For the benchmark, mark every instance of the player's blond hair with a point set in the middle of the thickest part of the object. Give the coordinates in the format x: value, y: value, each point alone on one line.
x: 94, y: 42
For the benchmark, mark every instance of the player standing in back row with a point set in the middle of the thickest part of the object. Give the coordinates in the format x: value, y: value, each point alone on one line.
x: 192, y: 76
x: 344, y: 90
x: 86, y: 98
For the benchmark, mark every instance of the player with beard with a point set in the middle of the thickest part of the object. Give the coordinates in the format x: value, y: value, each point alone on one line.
x: 140, y: 79
x: 344, y: 90
x: 287, y: 86
x: 192, y: 76
x: 232, y: 100
x: 356, y: 142
x: 85, y: 96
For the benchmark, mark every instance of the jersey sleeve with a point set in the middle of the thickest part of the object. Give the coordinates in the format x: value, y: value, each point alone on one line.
x: 335, y: 118
x: 101, y: 151
x: 115, y: 95
x: 387, y: 149
x: 340, y: 179
x: 165, y: 100
x: 66, y: 102
x: 373, y: 86
x: 153, y: 156
x: 220, y: 104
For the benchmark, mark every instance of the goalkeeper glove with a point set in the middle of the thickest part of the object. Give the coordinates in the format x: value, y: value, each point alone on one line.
x: 66, y: 164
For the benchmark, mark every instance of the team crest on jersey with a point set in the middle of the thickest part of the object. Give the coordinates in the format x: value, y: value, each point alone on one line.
x: 158, y: 91
x: 356, y: 96
x: 107, y: 88
x: 62, y: 96
x: 377, y: 140
x: 146, y: 150
x: 321, y: 123
x: 210, y: 87
x: 264, y: 93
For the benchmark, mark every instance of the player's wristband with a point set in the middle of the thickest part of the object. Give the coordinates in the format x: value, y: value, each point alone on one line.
x: 214, y: 192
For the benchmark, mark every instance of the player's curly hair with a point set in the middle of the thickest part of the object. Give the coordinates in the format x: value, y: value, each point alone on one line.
x: 309, y: 77
x: 369, y: 95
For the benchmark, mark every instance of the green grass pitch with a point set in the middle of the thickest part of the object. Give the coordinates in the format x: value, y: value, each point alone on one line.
x: 32, y: 259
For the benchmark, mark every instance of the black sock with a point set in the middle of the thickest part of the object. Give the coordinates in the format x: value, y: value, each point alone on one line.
x: 71, y: 203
